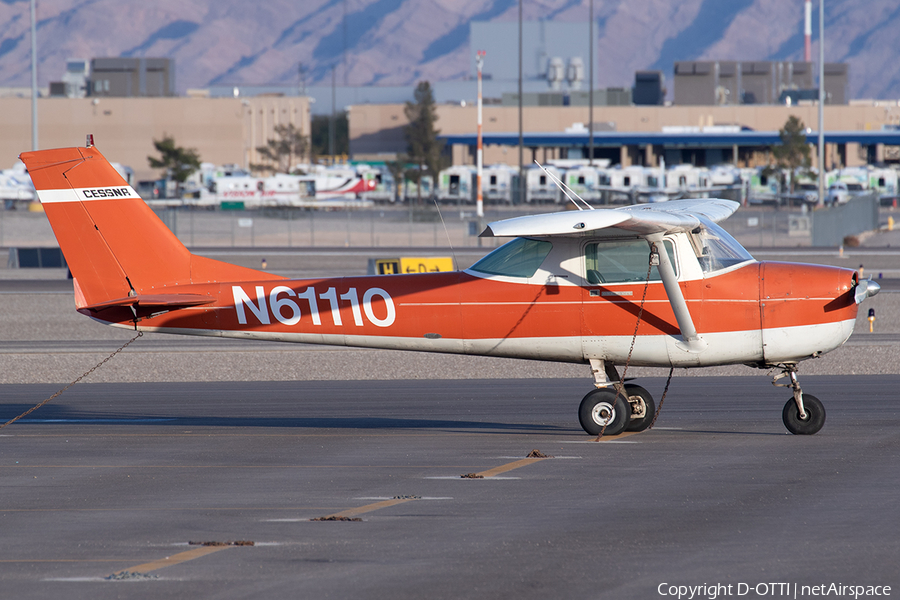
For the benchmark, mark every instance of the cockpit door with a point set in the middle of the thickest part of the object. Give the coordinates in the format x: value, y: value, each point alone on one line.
x: 613, y: 280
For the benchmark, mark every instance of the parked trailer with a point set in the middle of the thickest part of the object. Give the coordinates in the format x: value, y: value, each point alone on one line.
x: 499, y: 184
x: 382, y: 184
x: 584, y: 181
x: 540, y: 187
x: 457, y: 184
x: 884, y: 181
x: 258, y: 192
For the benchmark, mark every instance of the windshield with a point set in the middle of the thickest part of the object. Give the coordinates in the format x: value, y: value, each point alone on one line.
x: 518, y: 258
x: 716, y: 249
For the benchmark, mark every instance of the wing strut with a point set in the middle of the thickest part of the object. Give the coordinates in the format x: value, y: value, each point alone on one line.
x: 692, y: 340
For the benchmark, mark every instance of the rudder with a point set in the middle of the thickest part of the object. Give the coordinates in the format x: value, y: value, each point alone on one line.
x: 114, y: 243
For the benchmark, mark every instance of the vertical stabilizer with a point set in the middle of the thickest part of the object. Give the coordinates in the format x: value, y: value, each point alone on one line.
x: 113, y: 242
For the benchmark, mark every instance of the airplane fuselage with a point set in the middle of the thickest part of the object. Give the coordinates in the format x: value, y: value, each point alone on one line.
x: 758, y: 313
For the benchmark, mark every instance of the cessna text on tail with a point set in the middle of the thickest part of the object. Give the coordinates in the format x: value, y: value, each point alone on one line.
x: 652, y: 285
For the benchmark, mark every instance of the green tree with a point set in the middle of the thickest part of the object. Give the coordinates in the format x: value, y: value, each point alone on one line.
x: 424, y: 147
x: 320, y: 132
x: 284, y: 151
x: 793, y: 152
x: 178, y: 162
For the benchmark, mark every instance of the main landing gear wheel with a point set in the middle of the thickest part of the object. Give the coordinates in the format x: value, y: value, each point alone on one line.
x: 601, y: 407
x: 643, y: 408
x: 815, y: 416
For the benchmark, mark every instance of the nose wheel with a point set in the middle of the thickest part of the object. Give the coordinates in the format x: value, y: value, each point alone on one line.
x: 803, y: 414
x: 815, y: 416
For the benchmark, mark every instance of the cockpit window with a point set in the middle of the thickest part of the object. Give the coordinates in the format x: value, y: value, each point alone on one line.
x: 518, y: 258
x: 716, y: 249
x: 623, y: 261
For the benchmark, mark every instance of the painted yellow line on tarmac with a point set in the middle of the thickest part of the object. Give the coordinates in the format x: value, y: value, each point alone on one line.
x: 352, y: 512
x: 509, y: 467
x: 176, y: 559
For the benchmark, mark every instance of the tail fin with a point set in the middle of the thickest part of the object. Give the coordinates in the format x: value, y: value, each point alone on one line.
x: 115, y: 245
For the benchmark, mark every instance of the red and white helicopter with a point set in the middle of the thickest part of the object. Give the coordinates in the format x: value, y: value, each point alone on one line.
x: 650, y: 285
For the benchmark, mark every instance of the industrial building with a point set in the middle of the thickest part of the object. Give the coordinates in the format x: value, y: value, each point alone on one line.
x: 858, y: 133
x: 726, y: 82
x: 116, y: 78
x: 222, y: 130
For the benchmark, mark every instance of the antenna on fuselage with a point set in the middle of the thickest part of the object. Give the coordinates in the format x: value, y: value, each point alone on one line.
x: 563, y: 187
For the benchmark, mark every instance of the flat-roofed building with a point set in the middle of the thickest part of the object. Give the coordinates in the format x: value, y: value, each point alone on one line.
x: 725, y: 82
x: 703, y: 135
x: 132, y: 77
x: 222, y: 130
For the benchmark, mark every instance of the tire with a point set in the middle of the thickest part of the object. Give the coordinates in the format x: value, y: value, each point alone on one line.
x: 815, y: 416
x: 596, y: 401
x: 643, y: 398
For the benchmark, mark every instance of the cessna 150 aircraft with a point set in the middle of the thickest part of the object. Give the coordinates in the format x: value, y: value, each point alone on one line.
x: 652, y: 285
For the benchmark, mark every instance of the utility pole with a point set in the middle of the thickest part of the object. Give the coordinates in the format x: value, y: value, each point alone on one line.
x: 591, y: 85
x: 807, y: 31
x: 521, y: 194
x: 479, y: 156
x: 344, y: 35
x: 821, y: 102
x: 331, y: 120
x: 34, y: 89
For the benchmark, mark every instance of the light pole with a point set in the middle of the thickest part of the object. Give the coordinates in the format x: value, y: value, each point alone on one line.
x: 34, y: 92
x: 479, y: 156
x: 521, y: 194
x: 821, y: 102
x: 591, y: 85
x: 331, y: 149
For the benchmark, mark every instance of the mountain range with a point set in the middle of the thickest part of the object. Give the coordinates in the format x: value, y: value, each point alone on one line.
x: 399, y: 42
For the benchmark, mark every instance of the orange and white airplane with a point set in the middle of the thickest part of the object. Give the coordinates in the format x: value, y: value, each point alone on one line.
x: 647, y: 285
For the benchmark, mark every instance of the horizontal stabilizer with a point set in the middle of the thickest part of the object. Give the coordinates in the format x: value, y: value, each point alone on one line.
x: 168, y: 301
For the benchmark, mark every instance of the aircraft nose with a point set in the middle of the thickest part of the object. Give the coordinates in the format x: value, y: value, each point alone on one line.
x: 866, y: 289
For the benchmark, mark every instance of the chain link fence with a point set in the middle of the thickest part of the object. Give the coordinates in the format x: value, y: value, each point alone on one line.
x: 394, y: 226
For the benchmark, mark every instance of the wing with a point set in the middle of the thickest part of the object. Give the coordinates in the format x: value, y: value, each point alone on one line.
x: 643, y: 219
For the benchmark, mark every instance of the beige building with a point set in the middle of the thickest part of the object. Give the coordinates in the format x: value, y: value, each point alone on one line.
x: 222, y: 130
x: 376, y: 131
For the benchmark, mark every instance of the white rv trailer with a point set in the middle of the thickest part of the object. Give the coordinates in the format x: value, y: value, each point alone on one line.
x: 457, y: 184
x: 499, y: 183
x: 540, y: 187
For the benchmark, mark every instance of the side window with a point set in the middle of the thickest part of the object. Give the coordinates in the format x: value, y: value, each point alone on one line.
x: 624, y: 261
x: 518, y: 258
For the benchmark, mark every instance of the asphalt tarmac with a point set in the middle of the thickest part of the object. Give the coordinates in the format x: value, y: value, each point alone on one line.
x: 179, y: 440
x: 117, y: 480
